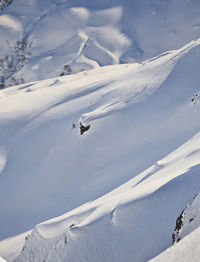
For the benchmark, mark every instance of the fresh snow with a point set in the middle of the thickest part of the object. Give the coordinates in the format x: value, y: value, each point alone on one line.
x: 103, y: 228
x: 88, y: 34
x: 186, y: 250
x: 118, y: 184
x: 12, y: 247
x: 2, y: 260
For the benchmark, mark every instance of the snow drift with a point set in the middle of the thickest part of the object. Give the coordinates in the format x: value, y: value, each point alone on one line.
x: 107, y: 228
x: 186, y: 250
x: 70, y: 36
x: 138, y: 113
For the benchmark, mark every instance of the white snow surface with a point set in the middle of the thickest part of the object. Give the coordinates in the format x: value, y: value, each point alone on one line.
x: 2, y: 260
x: 103, y: 228
x: 187, y: 249
x: 116, y: 206
x: 12, y: 247
x: 88, y: 34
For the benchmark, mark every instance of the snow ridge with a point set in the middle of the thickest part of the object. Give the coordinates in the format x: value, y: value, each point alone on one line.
x: 58, y: 238
x: 77, y: 35
x: 53, y: 239
x: 109, y: 99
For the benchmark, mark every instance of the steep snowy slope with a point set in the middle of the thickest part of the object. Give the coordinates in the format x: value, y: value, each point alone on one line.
x: 108, y: 228
x: 137, y: 113
x: 187, y: 249
x: 188, y: 220
x: 43, y: 39
x: 10, y: 248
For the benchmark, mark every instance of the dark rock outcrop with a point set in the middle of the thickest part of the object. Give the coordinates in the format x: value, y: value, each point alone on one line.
x: 5, y: 3
x: 188, y: 220
x: 83, y: 128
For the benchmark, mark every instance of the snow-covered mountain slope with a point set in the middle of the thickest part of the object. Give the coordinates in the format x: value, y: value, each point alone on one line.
x: 108, y: 228
x: 187, y: 249
x: 188, y: 220
x: 43, y: 39
x: 138, y: 113
x: 11, y: 247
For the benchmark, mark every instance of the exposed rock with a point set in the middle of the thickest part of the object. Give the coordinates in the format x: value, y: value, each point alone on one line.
x: 83, y: 128
x: 5, y: 3
x: 196, y: 98
x: 188, y: 220
x: 66, y: 70
x: 12, y: 63
x: 179, y: 224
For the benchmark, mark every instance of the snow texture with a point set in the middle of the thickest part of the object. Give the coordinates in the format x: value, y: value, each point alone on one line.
x: 87, y: 34
x: 102, y: 229
x: 118, y: 184
x: 187, y: 249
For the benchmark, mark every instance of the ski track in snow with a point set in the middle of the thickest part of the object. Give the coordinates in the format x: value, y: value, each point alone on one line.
x: 114, y: 90
x: 64, y: 22
x: 39, y: 18
x: 119, y: 188
x: 146, y: 86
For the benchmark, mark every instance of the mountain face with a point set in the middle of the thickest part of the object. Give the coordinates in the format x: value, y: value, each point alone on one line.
x: 185, y: 250
x: 107, y: 227
x: 188, y: 231
x: 188, y: 220
x: 112, y: 153
x: 44, y: 39
x: 116, y: 183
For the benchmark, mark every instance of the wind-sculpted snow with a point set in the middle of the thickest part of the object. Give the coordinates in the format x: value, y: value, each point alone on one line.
x: 137, y: 114
x: 99, y: 226
x: 186, y: 250
x: 83, y: 35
